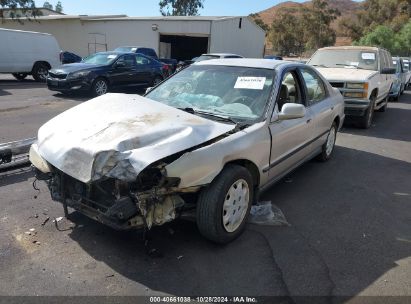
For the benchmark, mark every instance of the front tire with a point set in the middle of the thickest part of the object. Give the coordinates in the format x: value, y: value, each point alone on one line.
x: 99, y: 87
x: 366, y: 120
x: 20, y: 76
x: 223, y: 207
x: 328, y: 147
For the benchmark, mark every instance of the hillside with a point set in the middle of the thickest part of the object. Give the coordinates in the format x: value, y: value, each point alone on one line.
x: 346, y: 8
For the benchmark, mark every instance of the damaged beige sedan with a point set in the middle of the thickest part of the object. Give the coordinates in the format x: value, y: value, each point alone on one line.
x: 207, y: 140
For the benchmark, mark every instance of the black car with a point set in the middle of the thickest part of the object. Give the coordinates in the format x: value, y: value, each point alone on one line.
x: 68, y: 57
x: 273, y: 57
x: 102, y: 71
x: 170, y: 64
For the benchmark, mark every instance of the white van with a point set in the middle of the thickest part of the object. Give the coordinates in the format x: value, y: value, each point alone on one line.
x: 28, y: 53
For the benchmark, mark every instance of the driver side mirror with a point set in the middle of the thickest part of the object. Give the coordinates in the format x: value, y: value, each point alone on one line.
x: 388, y: 71
x: 291, y: 111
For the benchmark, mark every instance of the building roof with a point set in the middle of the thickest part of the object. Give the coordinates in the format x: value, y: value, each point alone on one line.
x: 126, y: 18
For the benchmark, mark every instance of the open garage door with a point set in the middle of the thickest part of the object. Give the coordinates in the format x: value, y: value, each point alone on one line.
x: 182, y: 47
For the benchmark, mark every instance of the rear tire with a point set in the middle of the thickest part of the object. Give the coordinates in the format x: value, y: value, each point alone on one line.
x: 223, y: 207
x: 40, y: 71
x: 366, y: 120
x: 20, y: 76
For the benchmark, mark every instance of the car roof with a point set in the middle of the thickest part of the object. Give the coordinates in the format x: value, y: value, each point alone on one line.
x: 220, y: 54
x: 116, y: 53
x: 249, y: 62
x: 130, y: 46
x: 351, y: 47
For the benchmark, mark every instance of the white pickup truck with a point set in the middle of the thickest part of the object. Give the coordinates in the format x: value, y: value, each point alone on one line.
x: 364, y: 76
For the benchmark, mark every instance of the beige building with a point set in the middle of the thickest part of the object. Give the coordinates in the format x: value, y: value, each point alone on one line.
x: 172, y: 37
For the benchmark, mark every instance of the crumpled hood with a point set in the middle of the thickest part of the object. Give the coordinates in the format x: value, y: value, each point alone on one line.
x: 118, y: 135
x: 346, y: 74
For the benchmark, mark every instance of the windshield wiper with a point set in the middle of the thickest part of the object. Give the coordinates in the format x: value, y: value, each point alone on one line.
x: 239, y: 125
x: 350, y: 65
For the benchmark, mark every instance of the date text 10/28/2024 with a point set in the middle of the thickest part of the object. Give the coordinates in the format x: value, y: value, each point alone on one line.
x: 203, y: 300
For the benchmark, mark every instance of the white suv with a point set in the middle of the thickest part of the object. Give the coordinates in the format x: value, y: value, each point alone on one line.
x: 364, y: 76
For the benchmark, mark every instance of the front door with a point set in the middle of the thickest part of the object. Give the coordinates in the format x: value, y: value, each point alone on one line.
x: 290, y: 138
x: 123, y: 72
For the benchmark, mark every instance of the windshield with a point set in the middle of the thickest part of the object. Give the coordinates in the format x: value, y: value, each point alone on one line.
x: 354, y: 59
x: 240, y: 93
x: 206, y: 57
x: 100, y: 58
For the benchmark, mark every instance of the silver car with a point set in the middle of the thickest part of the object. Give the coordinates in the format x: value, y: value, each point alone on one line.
x: 209, y: 139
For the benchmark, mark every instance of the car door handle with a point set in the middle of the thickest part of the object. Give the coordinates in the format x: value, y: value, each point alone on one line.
x: 309, y: 120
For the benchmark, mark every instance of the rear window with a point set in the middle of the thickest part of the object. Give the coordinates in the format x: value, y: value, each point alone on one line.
x: 147, y: 52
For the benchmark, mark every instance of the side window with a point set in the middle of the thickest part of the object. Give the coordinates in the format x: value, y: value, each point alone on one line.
x: 141, y: 60
x: 315, y: 87
x: 289, y: 90
x: 128, y: 60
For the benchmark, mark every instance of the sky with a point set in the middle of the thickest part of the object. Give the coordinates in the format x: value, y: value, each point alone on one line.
x: 144, y: 8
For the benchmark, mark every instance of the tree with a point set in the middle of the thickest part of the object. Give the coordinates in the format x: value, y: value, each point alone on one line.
x: 381, y: 36
x: 286, y: 34
x: 180, y: 7
x: 317, y: 25
x: 18, y: 9
x: 59, y: 7
x: 391, y: 13
x: 257, y: 19
x: 404, y: 40
x: 48, y: 5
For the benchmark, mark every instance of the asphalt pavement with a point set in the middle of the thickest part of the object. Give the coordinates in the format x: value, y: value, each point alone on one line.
x: 349, y: 233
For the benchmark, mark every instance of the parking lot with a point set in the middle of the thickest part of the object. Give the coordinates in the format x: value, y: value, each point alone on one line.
x: 349, y: 233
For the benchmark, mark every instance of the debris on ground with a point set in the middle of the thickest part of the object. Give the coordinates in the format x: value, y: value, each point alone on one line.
x: 265, y: 213
x: 45, y: 221
x: 110, y: 276
x: 36, y: 242
x: 180, y: 257
x: 32, y: 229
x: 57, y: 219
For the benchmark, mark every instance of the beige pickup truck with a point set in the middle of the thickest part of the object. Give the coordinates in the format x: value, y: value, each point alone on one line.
x: 364, y: 76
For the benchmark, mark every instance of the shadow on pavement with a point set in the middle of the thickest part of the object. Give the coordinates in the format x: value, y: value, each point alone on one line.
x: 350, y: 222
x: 385, y: 125
x: 24, y: 84
x: 15, y: 176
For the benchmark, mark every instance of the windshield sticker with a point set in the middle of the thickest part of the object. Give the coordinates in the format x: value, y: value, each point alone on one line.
x: 368, y: 56
x: 251, y: 83
x: 111, y: 56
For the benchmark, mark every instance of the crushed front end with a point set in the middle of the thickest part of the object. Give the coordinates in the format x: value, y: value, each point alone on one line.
x: 152, y: 199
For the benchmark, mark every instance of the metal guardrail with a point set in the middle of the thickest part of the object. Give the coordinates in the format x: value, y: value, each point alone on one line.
x: 15, y: 154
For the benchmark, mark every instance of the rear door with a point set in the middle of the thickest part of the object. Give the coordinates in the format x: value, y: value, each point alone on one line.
x: 319, y: 102
x: 145, y: 69
x: 291, y: 139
